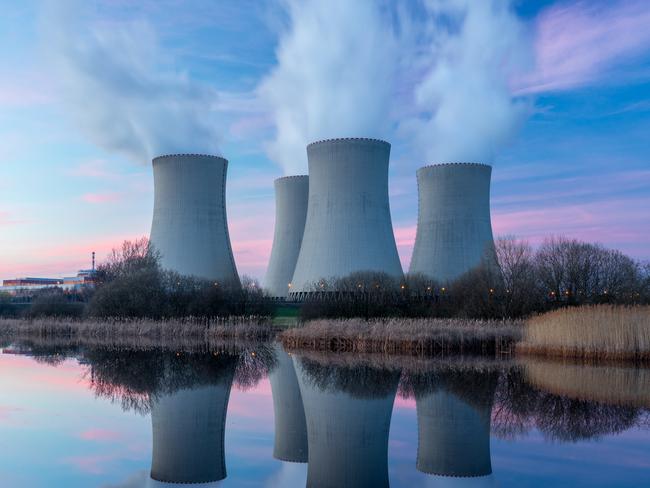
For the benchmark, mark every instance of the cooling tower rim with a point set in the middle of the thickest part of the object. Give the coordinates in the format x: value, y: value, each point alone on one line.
x: 348, y: 139
x: 438, y: 165
x: 186, y: 155
x: 290, y: 177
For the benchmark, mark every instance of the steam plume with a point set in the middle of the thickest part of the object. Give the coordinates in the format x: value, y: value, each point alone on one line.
x: 119, y: 90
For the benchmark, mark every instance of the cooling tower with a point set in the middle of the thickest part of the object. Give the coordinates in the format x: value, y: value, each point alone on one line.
x: 291, y: 195
x: 454, y: 232
x: 189, y: 226
x: 347, y: 434
x: 290, y: 428
x: 348, y: 226
x: 188, y: 433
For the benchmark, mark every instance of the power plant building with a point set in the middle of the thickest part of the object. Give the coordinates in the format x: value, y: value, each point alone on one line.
x: 189, y: 227
x: 291, y: 196
x: 454, y: 232
x: 348, y: 226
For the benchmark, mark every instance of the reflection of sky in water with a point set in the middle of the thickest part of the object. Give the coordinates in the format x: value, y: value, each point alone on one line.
x: 55, y: 432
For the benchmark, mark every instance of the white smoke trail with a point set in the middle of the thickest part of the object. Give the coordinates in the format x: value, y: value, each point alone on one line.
x: 437, y: 80
x: 119, y: 90
x: 334, y: 77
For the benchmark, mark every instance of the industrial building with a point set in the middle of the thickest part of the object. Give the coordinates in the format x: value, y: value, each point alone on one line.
x: 291, y: 196
x: 348, y: 226
x: 189, y: 227
x: 454, y: 232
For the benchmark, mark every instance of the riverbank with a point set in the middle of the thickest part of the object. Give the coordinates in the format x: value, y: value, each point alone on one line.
x: 184, y: 334
x: 593, y: 333
x: 406, y: 336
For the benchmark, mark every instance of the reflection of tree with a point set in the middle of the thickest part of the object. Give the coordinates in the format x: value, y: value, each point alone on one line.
x: 520, y: 406
x: 360, y: 381
x: 134, y: 378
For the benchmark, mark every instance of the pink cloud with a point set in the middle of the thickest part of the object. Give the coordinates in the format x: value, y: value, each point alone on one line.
x: 100, y: 197
x: 100, y: 435
x: 575, y: 43
x: 92, y: 463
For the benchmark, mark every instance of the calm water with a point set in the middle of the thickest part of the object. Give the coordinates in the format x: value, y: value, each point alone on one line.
x: 259, y: 417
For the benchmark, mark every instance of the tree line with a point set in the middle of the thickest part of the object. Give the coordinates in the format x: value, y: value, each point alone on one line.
x: 560, y: 272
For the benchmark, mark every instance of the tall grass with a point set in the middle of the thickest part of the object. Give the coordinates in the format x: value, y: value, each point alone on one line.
x: 404, y: 336
x: 591, y: 332
x: 137, y: 332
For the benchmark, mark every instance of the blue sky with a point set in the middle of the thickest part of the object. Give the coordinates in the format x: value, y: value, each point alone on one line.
x: 556, y: 95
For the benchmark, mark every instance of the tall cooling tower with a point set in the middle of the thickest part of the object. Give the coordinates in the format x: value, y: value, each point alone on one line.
x: 189, y: 226
x: 454, y: 231
x: 348, y: 226
x: 290, y: 442
x: 291, y: 195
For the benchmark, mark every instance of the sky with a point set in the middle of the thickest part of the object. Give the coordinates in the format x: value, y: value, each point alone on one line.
x: 554, y: 94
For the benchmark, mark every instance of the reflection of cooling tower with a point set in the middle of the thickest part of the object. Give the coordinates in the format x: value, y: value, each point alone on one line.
x: 453, y: 436
x: 348, y: 435
x: 189, y: 227
x: 348, y: 225
x: 188, y: 434
x: 291, y: 194
x: 454, y: 231
x: 290, y: 428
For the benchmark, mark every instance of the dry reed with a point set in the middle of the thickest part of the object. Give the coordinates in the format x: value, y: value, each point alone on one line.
x: 188, y: 333
x: 404, y: 336
x: 601, y: 332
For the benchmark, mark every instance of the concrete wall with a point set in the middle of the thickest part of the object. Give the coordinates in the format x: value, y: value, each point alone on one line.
x: 290, y: 442
x: 453, y: 436
x: 189, y: 226
x: 454, y: 230
x: 291, y: 196
x: 188, y: 434
x: 348, y: 435
x: 348, y: 226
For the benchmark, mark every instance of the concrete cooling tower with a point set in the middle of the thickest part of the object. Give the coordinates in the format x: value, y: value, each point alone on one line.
x: 189, y: 226
x: 188, y: 433
x: 348, y: 226
x: 454, y: 232
x: 290, y: 428
x: 291, y: 196
x: 347, y: 434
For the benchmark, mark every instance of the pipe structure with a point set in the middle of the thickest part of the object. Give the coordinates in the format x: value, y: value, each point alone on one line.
x: 454, y: 232
x: 348, y: 226
x: 188, y: 433
x: 290, y: 442
x: 347, y: 433
x: 189, y: 226
x: 291, y: 197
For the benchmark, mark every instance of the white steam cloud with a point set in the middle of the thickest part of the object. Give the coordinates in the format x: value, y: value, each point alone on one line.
x: 119, y: 90
x: 432, y: 74
x: 465, y: 108
x: 334, y: 77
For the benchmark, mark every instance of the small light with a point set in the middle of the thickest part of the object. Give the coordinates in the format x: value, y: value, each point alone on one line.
x: 289, y: 285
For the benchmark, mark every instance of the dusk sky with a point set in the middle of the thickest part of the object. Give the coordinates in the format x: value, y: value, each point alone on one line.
x: 555, y: 95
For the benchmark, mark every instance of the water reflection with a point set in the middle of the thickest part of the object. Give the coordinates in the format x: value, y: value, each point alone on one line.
x: 348, y: 414
x: 453, y: 412
x: 290, y: 440
x: 334, y: 413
